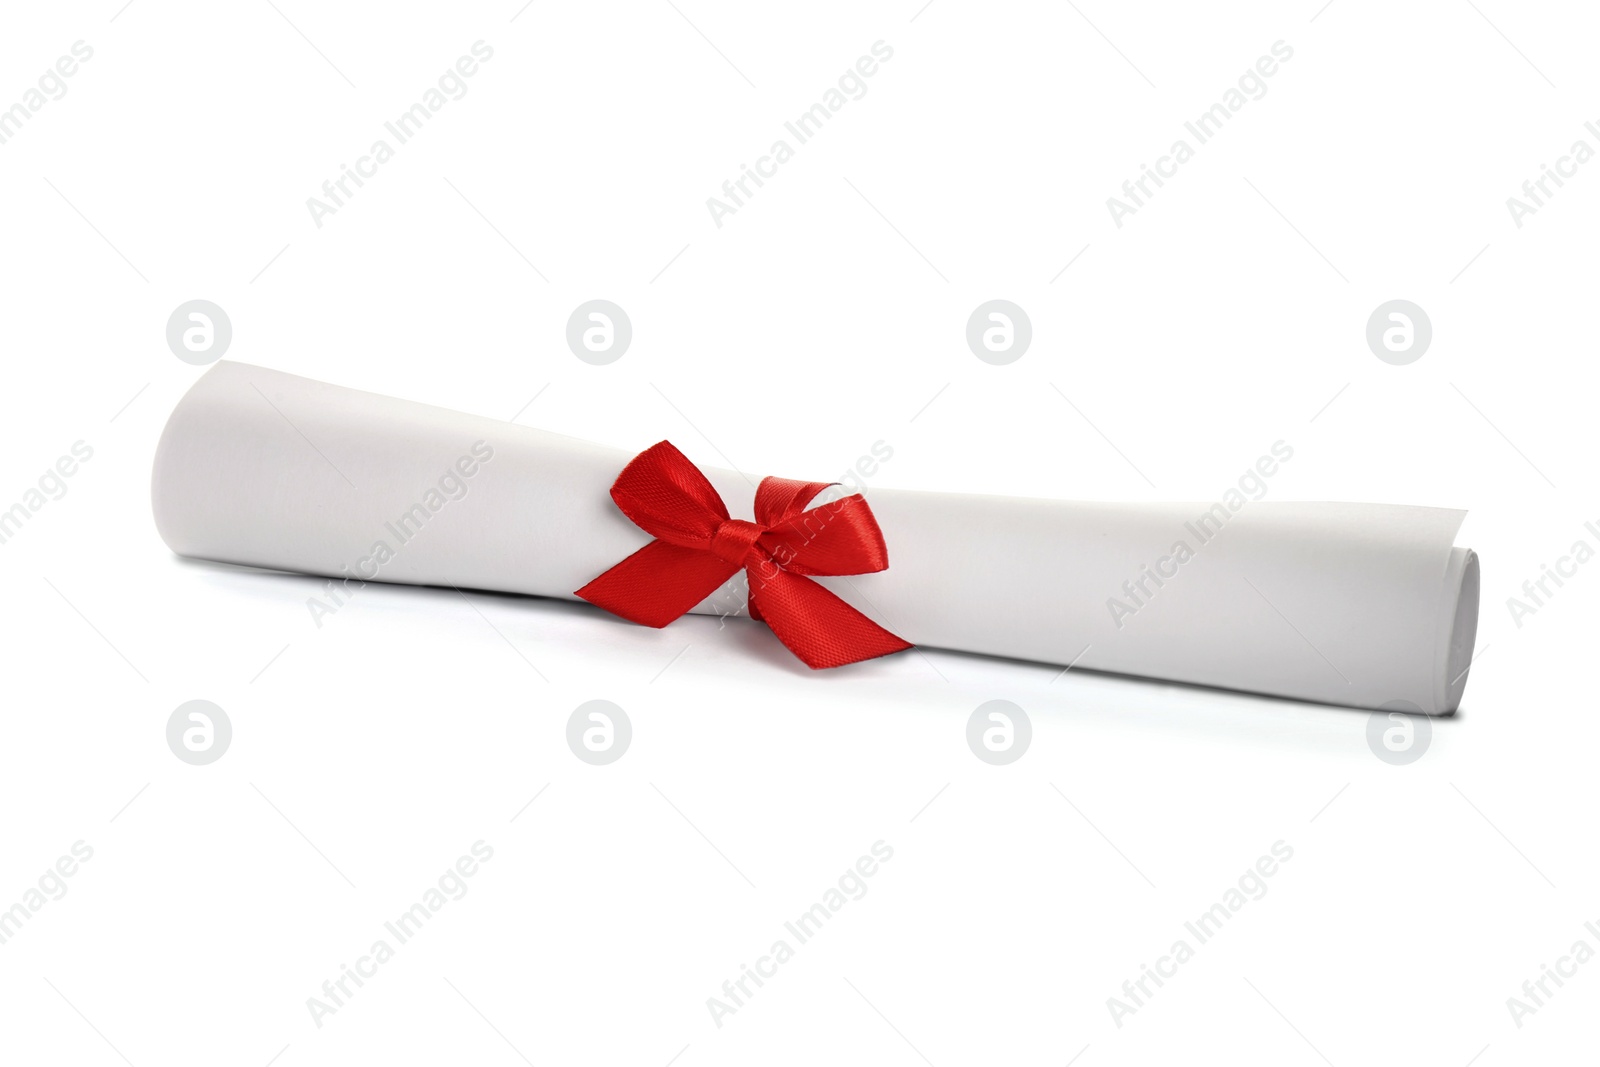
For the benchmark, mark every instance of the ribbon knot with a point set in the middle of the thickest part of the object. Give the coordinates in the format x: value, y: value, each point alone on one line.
x: 734, y: 538
x: 698, y: 547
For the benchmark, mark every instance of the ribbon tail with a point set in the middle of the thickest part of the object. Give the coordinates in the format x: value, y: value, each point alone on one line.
x: 816, y: 625
x: 658, y: 583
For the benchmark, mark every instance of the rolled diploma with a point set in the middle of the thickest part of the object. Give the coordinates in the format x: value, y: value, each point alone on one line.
x: 1355, y: 604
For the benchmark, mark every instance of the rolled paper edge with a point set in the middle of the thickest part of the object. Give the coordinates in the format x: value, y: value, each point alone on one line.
x: 1462, y: 582
x: 161, y: 508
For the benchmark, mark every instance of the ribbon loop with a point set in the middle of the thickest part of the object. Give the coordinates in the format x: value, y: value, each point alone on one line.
x: 666, y: 496
x: 698, y: 547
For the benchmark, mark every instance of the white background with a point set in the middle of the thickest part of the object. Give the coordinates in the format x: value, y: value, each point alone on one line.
x: 827, y: 314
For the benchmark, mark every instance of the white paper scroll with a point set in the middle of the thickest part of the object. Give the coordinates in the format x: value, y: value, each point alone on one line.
x: 1355, y: 604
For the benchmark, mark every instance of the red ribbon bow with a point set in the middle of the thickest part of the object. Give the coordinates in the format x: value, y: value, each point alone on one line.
x: 698, y: 547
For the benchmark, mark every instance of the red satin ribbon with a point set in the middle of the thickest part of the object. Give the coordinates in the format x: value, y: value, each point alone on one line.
x: 698, y: 547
